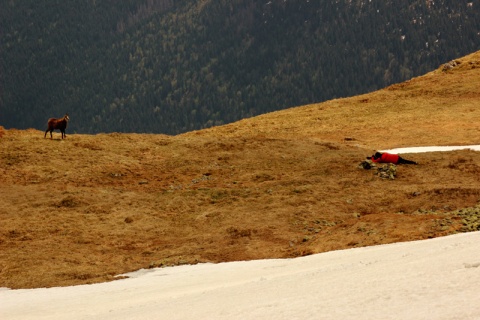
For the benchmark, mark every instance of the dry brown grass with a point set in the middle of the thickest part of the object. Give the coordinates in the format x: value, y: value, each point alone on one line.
x: 284, y: 184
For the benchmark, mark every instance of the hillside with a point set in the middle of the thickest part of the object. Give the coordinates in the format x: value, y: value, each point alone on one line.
x: 164, y: 66
x: 284, y: 184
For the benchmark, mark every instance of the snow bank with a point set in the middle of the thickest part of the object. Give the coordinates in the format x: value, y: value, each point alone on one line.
x: 430, y: 279
x: 431, y: 149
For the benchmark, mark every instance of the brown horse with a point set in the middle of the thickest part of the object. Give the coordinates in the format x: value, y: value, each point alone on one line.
x: 57, y: 124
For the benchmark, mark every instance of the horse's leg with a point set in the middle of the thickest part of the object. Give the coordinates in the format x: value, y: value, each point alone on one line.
x: 51, y: 136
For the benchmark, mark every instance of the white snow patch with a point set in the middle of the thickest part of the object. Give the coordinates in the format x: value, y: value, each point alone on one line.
x: 431, y: 149
x: 429, y: 279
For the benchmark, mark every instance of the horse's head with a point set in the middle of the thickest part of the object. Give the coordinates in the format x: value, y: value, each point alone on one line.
x: 67, y: 118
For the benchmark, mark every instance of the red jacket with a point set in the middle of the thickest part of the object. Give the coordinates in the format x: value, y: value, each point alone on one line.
x: 387, y: 158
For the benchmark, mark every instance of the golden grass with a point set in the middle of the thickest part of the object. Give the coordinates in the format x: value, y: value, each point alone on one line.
x: 284, y: 184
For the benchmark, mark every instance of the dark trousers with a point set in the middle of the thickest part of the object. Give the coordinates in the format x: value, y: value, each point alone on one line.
x: 405, y: 161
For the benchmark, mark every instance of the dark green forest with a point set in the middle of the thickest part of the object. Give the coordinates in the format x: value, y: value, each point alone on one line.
x: 171, y: 66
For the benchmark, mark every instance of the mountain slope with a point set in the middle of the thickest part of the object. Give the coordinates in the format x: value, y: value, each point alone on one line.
x: 284, y: 184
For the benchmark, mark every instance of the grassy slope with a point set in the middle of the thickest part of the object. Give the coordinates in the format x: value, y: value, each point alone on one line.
x: 279, y: 185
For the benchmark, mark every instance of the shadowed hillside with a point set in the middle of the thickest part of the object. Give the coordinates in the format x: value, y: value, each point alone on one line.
x: 172, y: 66
x: 284, y: 184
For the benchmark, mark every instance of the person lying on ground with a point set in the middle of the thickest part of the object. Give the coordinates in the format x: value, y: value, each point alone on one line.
x: 385, y: 157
